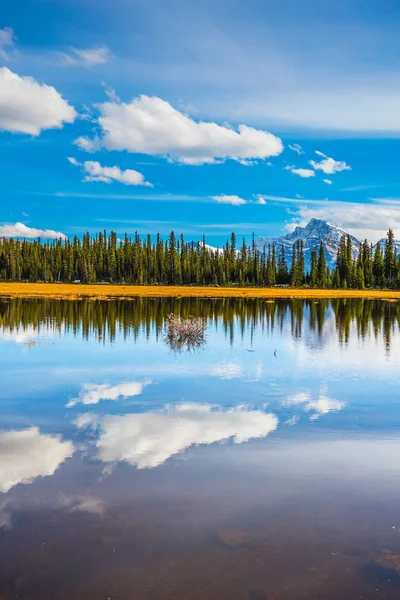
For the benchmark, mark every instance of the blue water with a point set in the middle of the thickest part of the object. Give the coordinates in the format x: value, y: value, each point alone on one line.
x: 263, y: 463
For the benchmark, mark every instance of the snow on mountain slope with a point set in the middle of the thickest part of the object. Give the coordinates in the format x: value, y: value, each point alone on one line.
x: 382, y: 243
x: 311, y: 235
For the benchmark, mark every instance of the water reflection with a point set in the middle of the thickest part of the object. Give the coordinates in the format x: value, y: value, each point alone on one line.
x: 148, y: 440
x: 22, y: 320
x: 92, y: 393
x: 230, y: 369
x: 264, y: 466
x: 319, y: 404
x: 26, y: 455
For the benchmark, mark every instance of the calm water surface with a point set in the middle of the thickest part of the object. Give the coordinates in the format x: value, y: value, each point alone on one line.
x: 263, y: 465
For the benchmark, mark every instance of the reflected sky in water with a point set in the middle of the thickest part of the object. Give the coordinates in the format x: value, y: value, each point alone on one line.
x: 280, y: 431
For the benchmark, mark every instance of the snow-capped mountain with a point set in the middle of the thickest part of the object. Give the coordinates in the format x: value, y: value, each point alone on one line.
x: 382, y: 243
x: 311, y: 236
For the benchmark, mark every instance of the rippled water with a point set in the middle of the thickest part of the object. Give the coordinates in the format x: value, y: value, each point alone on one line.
x: 264, y: 464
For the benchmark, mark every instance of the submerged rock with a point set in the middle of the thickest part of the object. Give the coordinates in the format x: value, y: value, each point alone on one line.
x: 386, y: 561
x: 232, y: 538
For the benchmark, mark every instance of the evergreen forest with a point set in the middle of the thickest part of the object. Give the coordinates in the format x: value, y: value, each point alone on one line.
x: 143, y: 261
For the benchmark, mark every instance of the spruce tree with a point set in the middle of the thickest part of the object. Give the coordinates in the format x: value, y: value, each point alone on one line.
x: 378, y: 267
x: 321, y: 266
x: 390, y: 260
x: 313, y: 268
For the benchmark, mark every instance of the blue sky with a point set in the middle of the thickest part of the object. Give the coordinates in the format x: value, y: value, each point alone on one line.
x: 203, y: 117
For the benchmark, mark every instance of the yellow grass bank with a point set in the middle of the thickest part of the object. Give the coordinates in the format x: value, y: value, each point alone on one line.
x: 76, y: 291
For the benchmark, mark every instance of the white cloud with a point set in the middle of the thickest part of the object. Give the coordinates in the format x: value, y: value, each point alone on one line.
x: 23, y: 231
x: 27, y: 106
x: 292, y: 421
x: 148, y: 440
x: 87, y: 57
x: 296, y: 148
x: 237, y: 200
x: 329, y: 165
x: 363, y: 220
x: 305, y: 173
x: 327, y: 181
x: 225, y: 199
x: 230, y: 369
x: 81, y: 503
x: 26, y: 455
x: 150, y: 125
x: 358, y: 106
x: 24, y: 335
x: 93, y: 394
x: 7, y: 42
x: 322, y: 405
x: 94, y: 171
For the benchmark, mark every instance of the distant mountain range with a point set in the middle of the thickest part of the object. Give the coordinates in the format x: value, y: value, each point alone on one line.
x: 315, y: 232
x: 312, y: 235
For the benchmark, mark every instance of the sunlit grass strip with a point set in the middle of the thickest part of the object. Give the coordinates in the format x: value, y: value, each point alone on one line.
x: 61, y: 291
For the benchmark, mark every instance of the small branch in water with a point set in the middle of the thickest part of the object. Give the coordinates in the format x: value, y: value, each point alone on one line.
x: 185, y: 334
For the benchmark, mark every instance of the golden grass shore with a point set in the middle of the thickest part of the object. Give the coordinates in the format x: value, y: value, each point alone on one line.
x: 60, y: 291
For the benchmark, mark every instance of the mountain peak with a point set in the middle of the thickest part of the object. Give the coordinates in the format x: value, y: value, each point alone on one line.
x: 312, y: 234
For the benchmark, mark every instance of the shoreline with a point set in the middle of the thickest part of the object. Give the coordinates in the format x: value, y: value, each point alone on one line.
x: 65, y: 291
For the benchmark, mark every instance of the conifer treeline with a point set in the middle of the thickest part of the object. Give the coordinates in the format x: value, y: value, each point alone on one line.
x: 105, y: 258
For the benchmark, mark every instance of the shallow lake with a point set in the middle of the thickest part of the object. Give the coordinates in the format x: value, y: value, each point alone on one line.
x: 261, y: 464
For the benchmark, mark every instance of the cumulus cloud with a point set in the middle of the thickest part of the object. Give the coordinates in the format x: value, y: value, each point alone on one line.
x: 28, y: 454
x: 363, y: 220
x: 27, y: 106
x: 148, y: 440
x: 150, y: 125
x: 296, y: 148
x: 88, y: 57
x: 328, y: 165
x: 327, y: 181
x: 19, y: 230
x: 305, y: 173
x: 237, y: 200
x: 7, y: 42
x: 230, y: 369
x: 321, y: 405
x: 93, y: 394
x: 94, y: 171
x: 233, y: 200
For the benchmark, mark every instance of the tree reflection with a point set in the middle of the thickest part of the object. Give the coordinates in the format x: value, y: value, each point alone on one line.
x: 143, y: 316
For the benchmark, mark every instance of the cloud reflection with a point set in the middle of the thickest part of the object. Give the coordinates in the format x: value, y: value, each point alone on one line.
x: 148, y: 440
x: 23, y: 335
x: 92, y: 393
x: 321, y: 405
x: 230, y: 369
x: 28, y: 454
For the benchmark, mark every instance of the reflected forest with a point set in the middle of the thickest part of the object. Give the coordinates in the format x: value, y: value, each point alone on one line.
x: 145, y: 316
